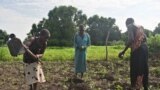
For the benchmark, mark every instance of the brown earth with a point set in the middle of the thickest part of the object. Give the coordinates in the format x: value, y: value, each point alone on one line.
x: 101, y: 75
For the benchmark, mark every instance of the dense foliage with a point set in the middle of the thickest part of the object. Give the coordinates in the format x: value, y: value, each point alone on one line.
x: 63, y: 22
x: 3, y: 36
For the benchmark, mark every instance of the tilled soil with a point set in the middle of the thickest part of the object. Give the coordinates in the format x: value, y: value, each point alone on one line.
x: 100, y: 75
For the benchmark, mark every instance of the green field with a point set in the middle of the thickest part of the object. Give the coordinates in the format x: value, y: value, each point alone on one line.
x: 67, y: 53
x: 100, y: 75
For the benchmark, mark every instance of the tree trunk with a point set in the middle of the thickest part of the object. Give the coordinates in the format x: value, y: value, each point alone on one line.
x: 107, y: 45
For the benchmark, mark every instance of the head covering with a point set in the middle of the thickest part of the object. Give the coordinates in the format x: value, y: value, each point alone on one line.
x: 129, y: 21
x: 12, y: 35
x: 81, y: 27
x: 45, y: 32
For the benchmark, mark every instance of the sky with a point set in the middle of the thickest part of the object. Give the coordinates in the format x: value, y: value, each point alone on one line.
x: 17, y: 16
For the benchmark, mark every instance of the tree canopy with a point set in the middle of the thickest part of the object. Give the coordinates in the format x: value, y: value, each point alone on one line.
x: 99, y: 27
x: 3, y: 36
x: 63, y: 21
x: 157, y: 29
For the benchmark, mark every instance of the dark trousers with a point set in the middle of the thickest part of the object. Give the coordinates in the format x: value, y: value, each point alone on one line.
x: 139, y: 65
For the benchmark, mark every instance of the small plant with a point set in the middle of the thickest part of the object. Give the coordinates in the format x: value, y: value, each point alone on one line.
x: 157, y: 72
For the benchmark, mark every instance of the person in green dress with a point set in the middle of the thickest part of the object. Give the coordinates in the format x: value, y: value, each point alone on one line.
x: 81, y: 42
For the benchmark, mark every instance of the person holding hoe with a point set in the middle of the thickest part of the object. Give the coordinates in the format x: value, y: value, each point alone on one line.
x: 34, y: 51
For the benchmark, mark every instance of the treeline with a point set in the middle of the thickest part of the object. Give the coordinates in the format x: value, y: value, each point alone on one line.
x: 3, y: 36
x: 63, y: 22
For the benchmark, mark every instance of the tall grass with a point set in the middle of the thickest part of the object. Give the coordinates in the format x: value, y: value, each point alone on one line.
x: 5, y: 55
x: 67, y: 53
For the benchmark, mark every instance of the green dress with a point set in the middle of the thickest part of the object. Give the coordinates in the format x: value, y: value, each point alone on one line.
x: 81, y: 43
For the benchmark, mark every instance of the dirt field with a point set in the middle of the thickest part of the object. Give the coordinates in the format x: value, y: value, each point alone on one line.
x: 101, y: 75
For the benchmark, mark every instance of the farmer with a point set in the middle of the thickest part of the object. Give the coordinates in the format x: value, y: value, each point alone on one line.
x: 139, y: 55
x: 81, y: 42
x: 34, y: 51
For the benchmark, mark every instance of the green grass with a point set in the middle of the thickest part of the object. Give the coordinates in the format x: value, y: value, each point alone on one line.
x: 67, y: 53
x: 5, y: 55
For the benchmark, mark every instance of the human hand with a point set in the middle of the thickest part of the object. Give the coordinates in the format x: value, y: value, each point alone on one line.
x: 38, y: 56
x: 121, y: 54
x: 83, y: 47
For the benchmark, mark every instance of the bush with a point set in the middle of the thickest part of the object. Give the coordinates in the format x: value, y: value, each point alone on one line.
x: 53, y: 42
x: 56, y: 42
x: 99, y: 43
x: 154, y: 43
x: 113, y: 43
x: 1, y: 42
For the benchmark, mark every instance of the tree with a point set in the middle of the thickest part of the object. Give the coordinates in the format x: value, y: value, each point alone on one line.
x: 80, y: 18
x: 148, y: 32
x: 111, y: 23
x: 94, y: 30
x: 3, y: 36
x: 100, y: 28
x: 124, y: 36
x: 36, y: 28
x: 115, y: 34
x: 62, y: 22
x: 157, y: 30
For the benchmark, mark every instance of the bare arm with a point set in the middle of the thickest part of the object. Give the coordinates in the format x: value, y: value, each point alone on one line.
x: 129, y: 42
x: 30, y: 52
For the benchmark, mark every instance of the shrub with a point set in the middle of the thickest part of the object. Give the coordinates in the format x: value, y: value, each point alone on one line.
x: 113, y: 43
x: 56, y: 42
x: 1, y: 42
x: 154, y: 43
